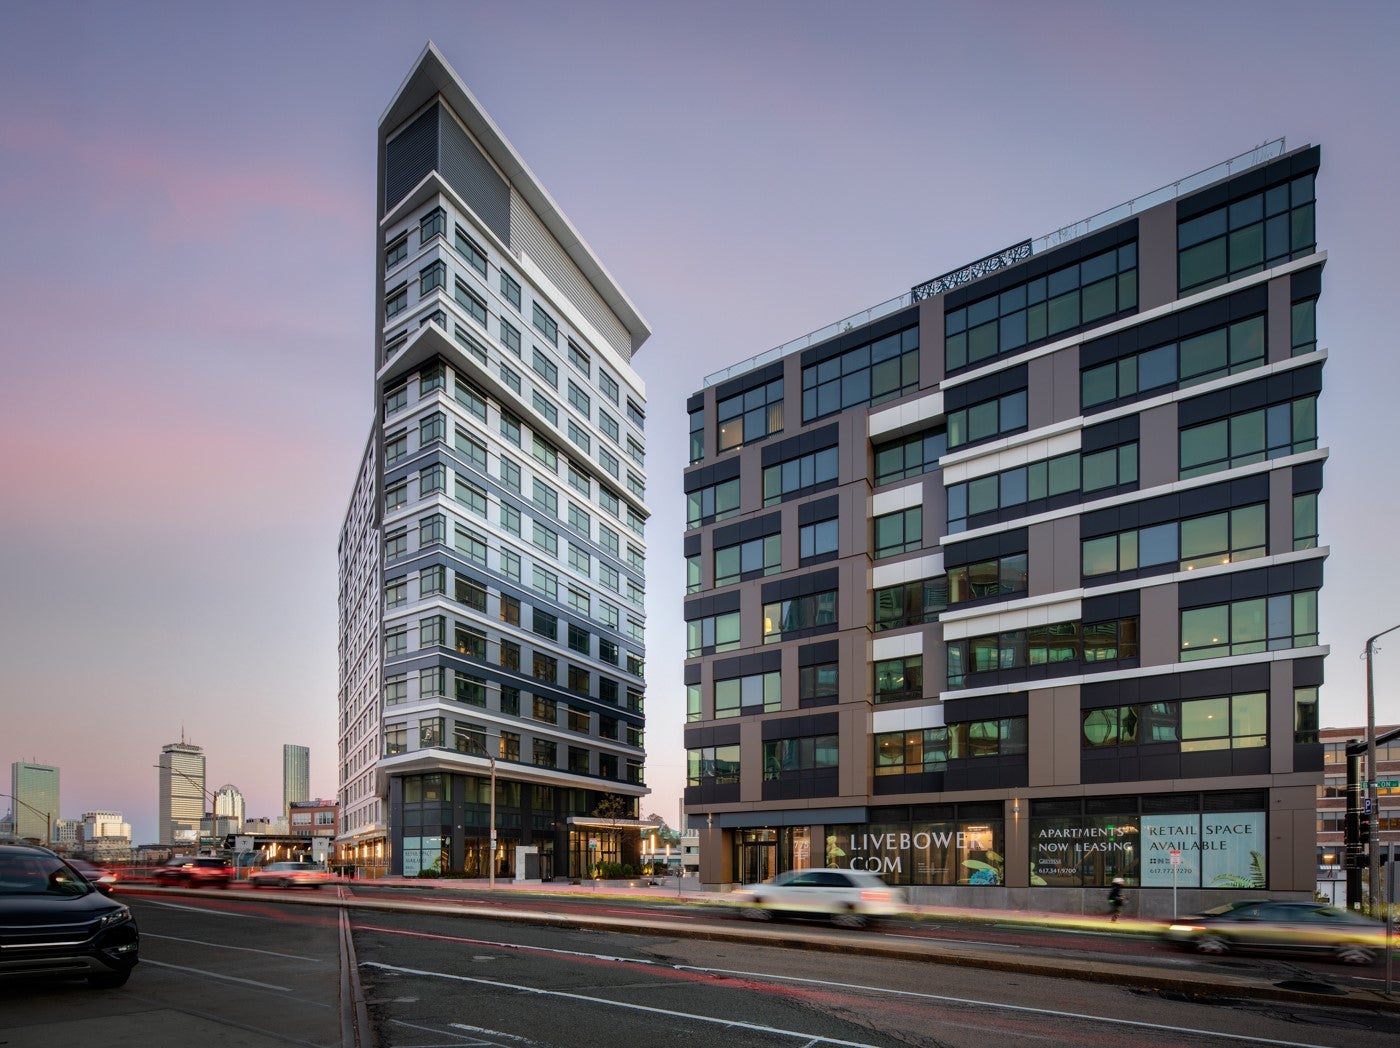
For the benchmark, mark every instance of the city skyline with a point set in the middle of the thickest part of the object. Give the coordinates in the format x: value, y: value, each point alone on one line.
x: 212, y: 409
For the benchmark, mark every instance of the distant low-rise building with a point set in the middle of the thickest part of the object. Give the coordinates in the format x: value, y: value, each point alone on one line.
x: 106, y: 835
x: 1332, y: 804
x: 316, y: 818
x: 67, y: 834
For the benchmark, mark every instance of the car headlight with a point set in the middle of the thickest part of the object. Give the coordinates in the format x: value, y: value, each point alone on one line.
x: 114, y: 917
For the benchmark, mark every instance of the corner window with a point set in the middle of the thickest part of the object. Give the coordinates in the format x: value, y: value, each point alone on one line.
x: 433, y: 224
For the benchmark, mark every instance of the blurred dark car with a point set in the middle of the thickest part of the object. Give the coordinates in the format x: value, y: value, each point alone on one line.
x: 53, y: 922
x: 1268, y: 925
x: 289, y: 875
x: 194, y: 871
x: 849, y: 898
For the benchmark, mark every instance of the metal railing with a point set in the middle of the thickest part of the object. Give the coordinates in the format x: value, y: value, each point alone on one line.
x: 1243, y: 162
x: 865, y: 316
x: 1252, y: 158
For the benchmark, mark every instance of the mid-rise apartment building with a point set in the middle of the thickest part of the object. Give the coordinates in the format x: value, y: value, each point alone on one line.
x: 492, y: 560
x: 1008, y: 587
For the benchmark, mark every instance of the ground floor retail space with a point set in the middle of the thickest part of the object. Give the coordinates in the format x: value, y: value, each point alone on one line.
x: 1050, y: 853
x: 446, y: 825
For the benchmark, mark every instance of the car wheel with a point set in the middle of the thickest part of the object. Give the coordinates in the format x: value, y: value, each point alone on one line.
x: 1354, y: 953
x: 109, y: 980
x: 851, y: 918
x: 1214, y: 945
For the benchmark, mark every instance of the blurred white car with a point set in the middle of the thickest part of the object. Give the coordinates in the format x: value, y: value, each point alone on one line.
x: 289, y: 875
x: 849, y: 898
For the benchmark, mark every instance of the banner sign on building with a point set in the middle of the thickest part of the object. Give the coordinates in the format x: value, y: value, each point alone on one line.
x: 1161, y: 834
x: 1215, y: 850
x: 1083, y: 850
x: 922, y: 852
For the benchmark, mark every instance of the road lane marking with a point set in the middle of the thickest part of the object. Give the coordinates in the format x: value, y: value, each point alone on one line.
x: 998, y: 1005
x: 493, y: 1033
x: 225, y: 946
x: 955, y: 942
x: 211, y: 913
x: 505, y: 945
x: 731, y: 1024
x: 473, y: 1042
x: 216, y: 975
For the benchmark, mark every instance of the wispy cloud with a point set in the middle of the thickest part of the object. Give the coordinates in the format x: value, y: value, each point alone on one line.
x: 185, y: 194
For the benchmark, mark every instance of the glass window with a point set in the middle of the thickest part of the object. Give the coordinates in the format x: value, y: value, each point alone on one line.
x: 545, y: 325
x: 510, y: 289
x: 899, y: 532
x: 1305, y: 529
x: 868, y: 374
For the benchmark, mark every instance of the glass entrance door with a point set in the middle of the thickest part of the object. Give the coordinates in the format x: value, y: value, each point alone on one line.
x: 758, y: 855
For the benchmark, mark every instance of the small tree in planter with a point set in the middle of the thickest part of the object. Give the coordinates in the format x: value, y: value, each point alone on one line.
x: 614, y: 809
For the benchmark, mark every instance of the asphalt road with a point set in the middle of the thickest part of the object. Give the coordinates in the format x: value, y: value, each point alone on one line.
x: 1071, y: 942
x: 217, y: 969
x: 472, y: 982
x: 259, y: 970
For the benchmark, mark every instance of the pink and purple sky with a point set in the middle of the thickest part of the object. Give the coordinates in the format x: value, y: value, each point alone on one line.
x: 188, y: 247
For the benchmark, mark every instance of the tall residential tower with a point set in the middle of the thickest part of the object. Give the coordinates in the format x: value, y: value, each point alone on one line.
x: 492, y: 559
x: 1008, y: 587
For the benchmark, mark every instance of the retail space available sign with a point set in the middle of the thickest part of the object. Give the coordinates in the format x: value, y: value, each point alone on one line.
x: 1217, y: 850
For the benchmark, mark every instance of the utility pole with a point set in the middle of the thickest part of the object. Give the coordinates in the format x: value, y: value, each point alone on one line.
x: 1372, y: 790
x: 48, y: 819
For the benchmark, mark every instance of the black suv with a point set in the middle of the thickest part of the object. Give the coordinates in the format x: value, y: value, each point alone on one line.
x: 194, y: 871
x: 54, y: 923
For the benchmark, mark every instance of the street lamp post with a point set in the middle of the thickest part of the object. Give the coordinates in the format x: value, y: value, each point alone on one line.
x: 48, y: 819
x: 491, y: 857
x: 491, y: 759
x: 1372, y: 790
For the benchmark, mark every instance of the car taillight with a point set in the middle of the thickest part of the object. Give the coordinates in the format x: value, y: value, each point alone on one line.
x: 870, y: 895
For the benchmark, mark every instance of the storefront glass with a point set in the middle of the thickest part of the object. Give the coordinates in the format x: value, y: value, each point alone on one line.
x: 1212, y: 850
x: 945, y: 853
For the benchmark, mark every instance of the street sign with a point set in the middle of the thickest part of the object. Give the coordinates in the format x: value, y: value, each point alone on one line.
x: 1176, y: 856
